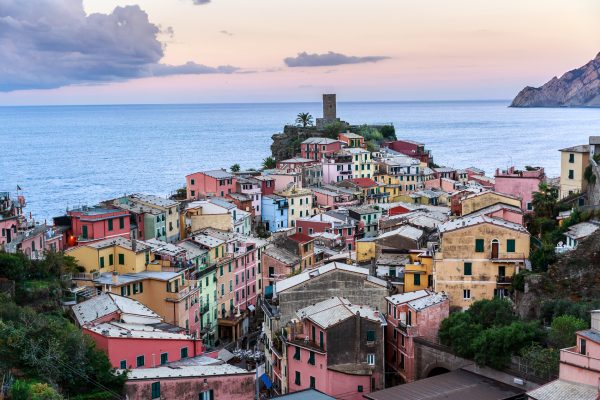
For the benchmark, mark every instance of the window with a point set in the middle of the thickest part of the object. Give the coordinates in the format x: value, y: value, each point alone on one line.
x: 123, y: 364
x: 467, y: 294
x: 371, y: 359
x: 121, y: 259
x: 313, y: 383
x: 101, y: 262
x: 321, y: 342
x: 110, y: 224
x: 571, y: 174
x: 360, y: 389
x: 582, y: 347
x: 311, y: 358
x: 297, y: 354
x: 370, y: 336
x: 479, y: 245
x: 409, y: 322
x: 84, y: 231
x: 571, y: 158
x: 468, y: 269
x: 139, y: 361
x: 164, y: 358
x: 121, y: 223
x: 111, y: 260
x: 208, y: 395
x: 417, y: 279
x: 192, y: 181
x: 141, y: 287
x: 297, y: 380
x: 184, y: 352
x: 123, y: 291
x: 529, y: 206
x: 510, y: 245
x: 314, y: 334
x: 156, y: 390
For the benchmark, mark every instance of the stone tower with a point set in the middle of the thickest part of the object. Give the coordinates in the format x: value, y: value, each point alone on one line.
x: 329, y: 107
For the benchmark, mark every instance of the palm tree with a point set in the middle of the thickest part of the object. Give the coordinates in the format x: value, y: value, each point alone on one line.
x: 304, y: 119
x: 544, y: 200
x: 269, y: 163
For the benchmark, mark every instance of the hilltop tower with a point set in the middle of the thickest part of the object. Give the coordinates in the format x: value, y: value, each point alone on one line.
x: 329, y: 111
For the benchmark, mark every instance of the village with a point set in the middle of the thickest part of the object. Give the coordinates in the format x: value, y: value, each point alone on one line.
x: 331, y: 274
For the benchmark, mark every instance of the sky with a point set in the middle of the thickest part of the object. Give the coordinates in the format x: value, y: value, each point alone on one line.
x: 212, y: 51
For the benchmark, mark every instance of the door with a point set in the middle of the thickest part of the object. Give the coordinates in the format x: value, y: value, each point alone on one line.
x: 495, y: 247
x: 84, y: 231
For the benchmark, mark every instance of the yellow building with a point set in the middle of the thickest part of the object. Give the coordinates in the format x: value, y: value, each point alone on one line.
x: 300, y: 203
x: 362, y: 163
x: 573, y: 162
x: 418, y: 274
x: 204, y: 214
x: 478, y: 201
x: 391, y: 186
x: 478, y: 257
x: 365, y: 251
x: 128, y: 268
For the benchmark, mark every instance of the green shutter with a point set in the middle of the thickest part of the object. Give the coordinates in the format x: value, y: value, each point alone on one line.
x: 164, y: 358
x: 184, y: 352
x: 417, y: 279
x: 111, y: 260
x: 101, y: 262
x: 468, y: 268
x: 123, y: 364
x: 121, y: 259
x: 123, y: 291
x: 155, y: 390
x: 510, y: 245
x: 122, y: 223
x: 84, y: 231
x: 370, y: 336
x: 479, y: 245
x: 110, y: 224
x: 140, y: 361
x: 297, y: 354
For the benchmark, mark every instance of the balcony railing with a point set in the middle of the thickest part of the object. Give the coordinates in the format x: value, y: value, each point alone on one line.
x: 506, y: 256
x: 84, y: 276
x: 571, y: 357
x: 504, y: 280
x: 190, y: 287
x: 204, y: 308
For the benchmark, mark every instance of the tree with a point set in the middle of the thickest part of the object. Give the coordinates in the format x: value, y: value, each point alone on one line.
x: 388, y: 132
x: 269, y: 163
x: 544, y: 201
x: 334, y: 129
x: 235, y: 168
x: 562, y: 332
x: 304, y: 119
x: 542, y: 360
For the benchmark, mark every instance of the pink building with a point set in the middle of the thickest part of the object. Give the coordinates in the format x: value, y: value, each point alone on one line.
x: 347, y: 227
x: 521, y: 184
x: 191, y: 382
x: 253, y: 189
x: 132, y: 335
x: 318, y: 346
x: 445, y: 184
x: 90, y: 224
x: 411, y: 315
x: 579, y: 376
x: 283, y: 179
x: 266, y: 184
x: 316, y: 148
x: 332, y: 197
x: 296, y: 164
x: 210, y: 183
x: 336, y: 168
x: 410, y: 148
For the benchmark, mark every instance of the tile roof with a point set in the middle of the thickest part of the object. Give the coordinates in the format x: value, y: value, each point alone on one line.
x: 581, y: 230
x: 582, y: 148
x: 208, y: 241
x: 217, y: 174
x: 121, y: 242
x: 454, y: 385
x: 108, y: 303
x: 427, y: 301
x: 591, y: 334
x: 564, y: 390
x: 364, y: 182
x: 494, y: 208
x: 305, y: 276
x: 405, y: 231
x: 319, y: 140
x: 296, y: 160
x: 154, y: 200
x: 186, y: 372
x: 464, y: 222
x: 281, y: 254
x: 406, y: 297
x: 334, y: 310
x: 306, y: 394
x: 136, y: 331
x: 300, y: 238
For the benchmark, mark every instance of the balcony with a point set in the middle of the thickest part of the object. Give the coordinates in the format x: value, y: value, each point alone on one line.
x: 504, y: 280
x: 204, y: 308
x: 507, y: 257
x: 571, y: 357
x: 190, y: 287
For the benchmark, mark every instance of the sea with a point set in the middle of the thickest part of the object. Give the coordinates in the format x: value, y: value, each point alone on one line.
x: 66, y: 156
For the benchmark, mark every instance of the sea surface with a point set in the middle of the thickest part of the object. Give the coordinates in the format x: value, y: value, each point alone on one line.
x: 65, y: 156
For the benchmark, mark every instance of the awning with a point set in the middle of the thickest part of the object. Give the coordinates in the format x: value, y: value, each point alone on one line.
x: 251, y: 307
x: 265, y: 379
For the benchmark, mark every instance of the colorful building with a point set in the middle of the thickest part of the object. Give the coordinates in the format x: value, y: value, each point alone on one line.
x: 352, y: 139
x: 300, y: 204
x: 418, y: 273
x: 520, y: 184
x: 412, y: 149
x: 368, y: 217
x: 335, y: 223
x: 477, y: 201
x: 209, y: 183
x: 160, y: 215
x: 478, y: 257
x: 362, y: 163
x: 89, y: 224
x: 274, y: 214
x: 411, y: 315
x: 337, y: 167
x: 573, y: 162
x: 333, y: 197
x: 317, y: 349
x: 316, y: 148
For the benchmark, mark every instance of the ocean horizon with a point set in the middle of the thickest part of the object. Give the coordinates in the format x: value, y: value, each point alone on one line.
x: 71, y: 155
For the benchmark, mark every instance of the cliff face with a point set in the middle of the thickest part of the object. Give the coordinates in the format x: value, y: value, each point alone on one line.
x: 287, y: 144
x: 577, y: 88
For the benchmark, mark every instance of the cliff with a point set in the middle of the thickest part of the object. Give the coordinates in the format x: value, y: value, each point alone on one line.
x: 577, y: 88
x: 285, y: 145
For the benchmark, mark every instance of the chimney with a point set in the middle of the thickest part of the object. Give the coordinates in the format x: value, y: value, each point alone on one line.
x: 133, y: 244
x: 357, y: 337
x: 596, y: 320
x: 115, y: 277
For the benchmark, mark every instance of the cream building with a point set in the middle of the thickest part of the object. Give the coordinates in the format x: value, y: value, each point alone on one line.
x: 573, y: 162
x: 479, y: 201
x: 478, y: 257
x: 300, y: 203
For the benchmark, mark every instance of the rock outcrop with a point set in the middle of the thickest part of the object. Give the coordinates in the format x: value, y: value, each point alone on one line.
x: 577, y: 88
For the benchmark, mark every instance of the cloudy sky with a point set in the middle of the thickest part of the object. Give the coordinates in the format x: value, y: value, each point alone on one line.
x: 171, y: 51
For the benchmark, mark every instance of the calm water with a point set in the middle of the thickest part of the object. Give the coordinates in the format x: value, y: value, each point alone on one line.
x: 71, y: 155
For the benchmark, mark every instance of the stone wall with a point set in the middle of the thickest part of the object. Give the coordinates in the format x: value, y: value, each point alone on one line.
x: 594, y: 189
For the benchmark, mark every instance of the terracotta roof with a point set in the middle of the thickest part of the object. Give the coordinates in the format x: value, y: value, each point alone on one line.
x: 364, y: 182
x: 300, y: 238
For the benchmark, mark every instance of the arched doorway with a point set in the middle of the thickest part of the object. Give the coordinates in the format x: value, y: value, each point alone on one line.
x: 437, y: 371
x: 495, y: 248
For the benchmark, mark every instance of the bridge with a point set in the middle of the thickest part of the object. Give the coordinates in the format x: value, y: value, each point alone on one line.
x: 433, y: 359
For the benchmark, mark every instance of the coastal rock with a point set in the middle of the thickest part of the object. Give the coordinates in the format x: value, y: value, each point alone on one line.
x: 577, y: 88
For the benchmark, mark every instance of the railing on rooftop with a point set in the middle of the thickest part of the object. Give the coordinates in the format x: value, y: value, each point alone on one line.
x: 86, y: 276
